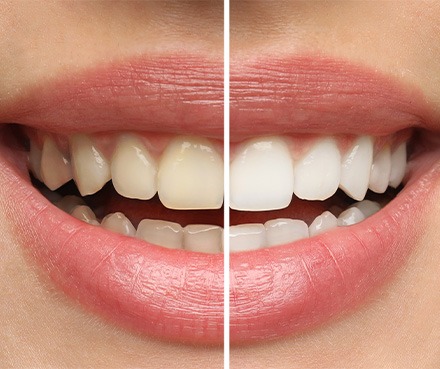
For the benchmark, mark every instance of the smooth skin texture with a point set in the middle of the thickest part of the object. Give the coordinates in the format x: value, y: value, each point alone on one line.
x: 398, y: 327
x: 40, y: 327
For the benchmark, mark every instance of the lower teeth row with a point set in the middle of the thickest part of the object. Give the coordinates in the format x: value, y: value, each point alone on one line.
x: 209, y: 238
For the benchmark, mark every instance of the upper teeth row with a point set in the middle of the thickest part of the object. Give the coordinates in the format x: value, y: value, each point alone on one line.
x: 264, y: 172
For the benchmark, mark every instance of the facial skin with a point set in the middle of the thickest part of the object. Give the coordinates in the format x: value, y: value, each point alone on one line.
x: 41, y: 328
x: 398, y: 326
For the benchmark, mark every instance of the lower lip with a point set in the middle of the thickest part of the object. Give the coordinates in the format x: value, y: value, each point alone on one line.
x: 286, y: 290
x: 169, y: 294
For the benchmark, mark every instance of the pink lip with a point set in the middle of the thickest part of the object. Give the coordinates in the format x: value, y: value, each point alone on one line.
x: 288, y: 289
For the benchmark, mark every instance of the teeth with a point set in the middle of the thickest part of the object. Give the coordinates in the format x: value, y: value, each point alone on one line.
x: 398, y: 165
x: 282, y: 231
x: 133, y: 169
x: 85, y: 214
x: 91, y: 170
x: 191, y: 175
x: 380, y: 171
x: 318, y: 173
x: 246, y: 237
x: 68, y: 203
x: 368, y: 207
x: 160, y: 232
x: 118, y: 223
x: 261, y: 176
x: 323, y: 223
x: 202, y: 238
x: 55, y: 167
x: 350, y: 216
x: 356, y: 166
x: 35, y: 160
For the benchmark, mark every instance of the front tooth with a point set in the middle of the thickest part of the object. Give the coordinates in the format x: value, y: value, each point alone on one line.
x: 246, y: 237
x: 282, y: 231
x: 191, y: 175
x: 350, y: 216
x: 118, y: 223
x: 133, y: 169
x: 35, y: 160
x: 202, y: 238
x: 84, y: 213
x: 55, y: 167
x: 380, y: 171
x: 398, y: 165
x: 261, y: 176
x: 368, y: 207
x: 317, y: 174
x: 91, y: 170
x: 160, y: 232
x: 323, y: 223
x: 356, y: 166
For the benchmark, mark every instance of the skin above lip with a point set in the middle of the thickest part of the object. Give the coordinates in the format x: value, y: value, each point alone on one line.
x: 170, y: 294
x: 290, y: 288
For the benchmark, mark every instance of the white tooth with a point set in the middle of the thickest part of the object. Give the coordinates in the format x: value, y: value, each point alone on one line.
x: 261, y: 175
x: 91, y: 169
x: 282, y: 231
x: 350, y: 216
x: 118, y: 223
x: 134, y: 170
x: 85, y: 214
x: 35, y: 160
x: 368, y: 207
x: 356, y: 166
x: 380, y: 171
x: 398, y: 165
x: 318, y: 173
x: 55, y: 167
x: 68, y: 203
x: 247, y: 237
x: 202, y: 238
x: 191, y: 175
x: 323, y: 223
x: 160, y: 232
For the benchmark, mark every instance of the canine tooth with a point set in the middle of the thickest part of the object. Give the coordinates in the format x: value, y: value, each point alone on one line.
x: 55, y: 167
x: 245, y: 237
x: 282, y: 231
x: 318, y: 173
x: 91, y: 170
x: 323, y: 223
x: 202, y: 238
x: 35, y: 160
x: 350, y: 216
x: 118, y: 223
x: 368, y: 207
x: 160, y: 232
x: 261, y: 175
x: 133, y: 169
x: 380, y: 171
x: 68, y: 203
x: 356, y: 166
x: 191, y: 175
x: 398, y: 165
x: 84, y: 213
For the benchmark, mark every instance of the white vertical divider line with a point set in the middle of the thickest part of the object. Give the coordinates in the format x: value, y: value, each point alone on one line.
x: 226, y: 135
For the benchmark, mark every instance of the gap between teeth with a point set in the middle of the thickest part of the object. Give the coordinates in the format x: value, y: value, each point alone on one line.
x: 265, y: 172
x: 209, y: 238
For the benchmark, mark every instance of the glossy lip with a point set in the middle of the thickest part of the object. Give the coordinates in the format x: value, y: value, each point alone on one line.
x: 286, y: 290
x: 173, y: 295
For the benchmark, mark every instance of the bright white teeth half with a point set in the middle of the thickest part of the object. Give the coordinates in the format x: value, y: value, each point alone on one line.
x: 281, y: 231
x: 84, y: 213
x: 247, y: 237
x: 318, y: 173
x: 350, y: 216
x: 55, y: 167
x: 261, y: 176
x: 133, y: 169
x: 398, y: 165
x: 160, y: 232
x: 202, y: 238
x: 118, y: 223
x: 380, y: 171
x: 356, y: 167
x: 91, y: 171
x: 191, y: 175
x: 323, y: 223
